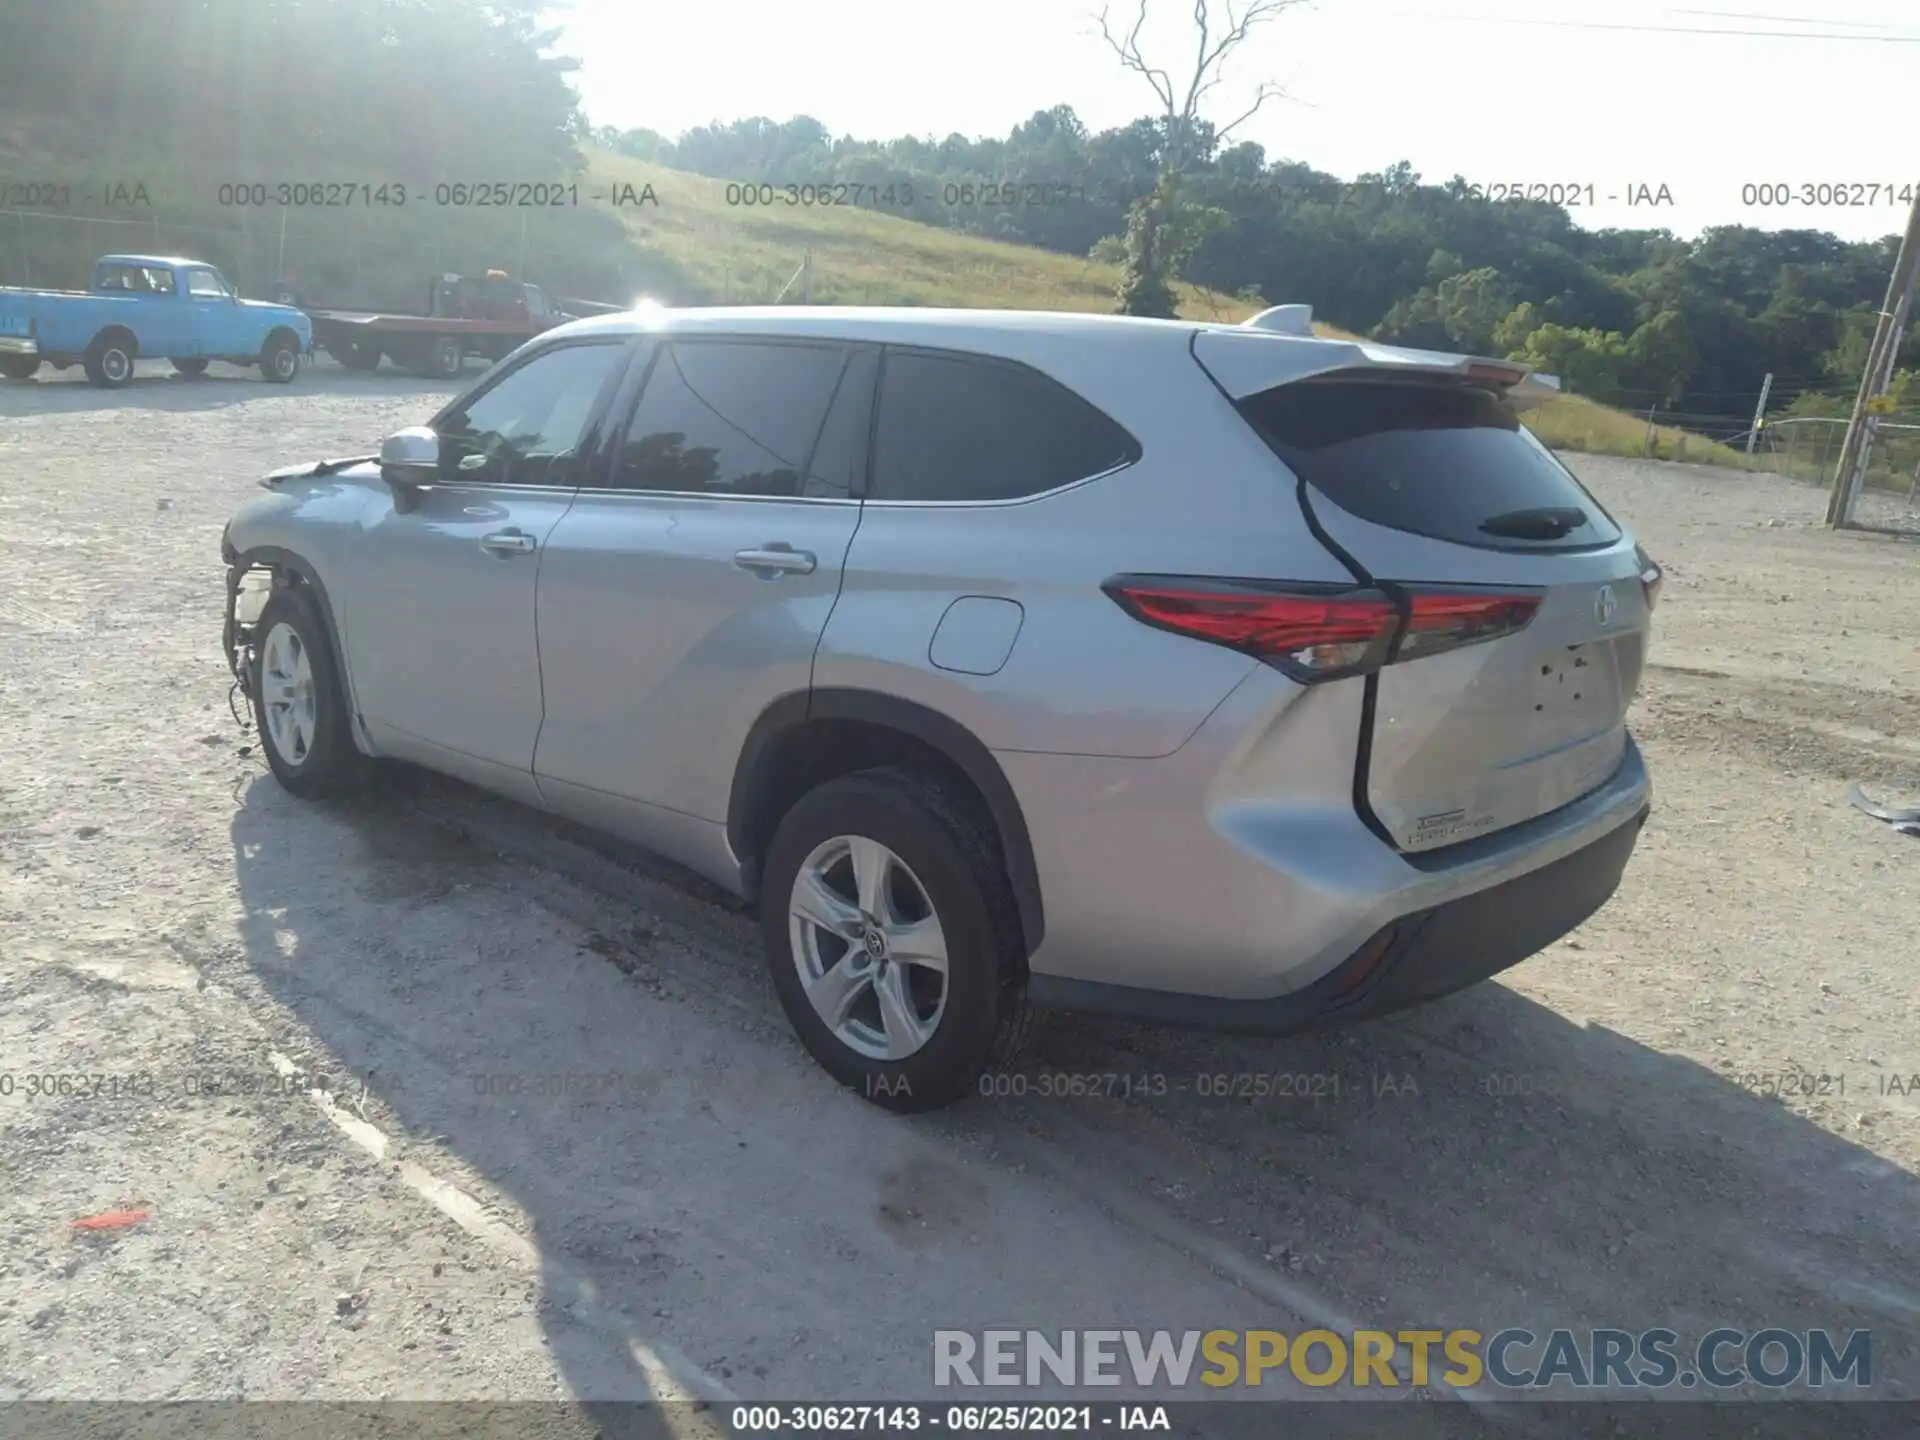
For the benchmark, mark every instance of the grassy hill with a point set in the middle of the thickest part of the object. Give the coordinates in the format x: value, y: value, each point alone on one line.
x: 745, y: 252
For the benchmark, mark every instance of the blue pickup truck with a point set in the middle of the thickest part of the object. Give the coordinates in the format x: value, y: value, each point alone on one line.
x: 149, y: 306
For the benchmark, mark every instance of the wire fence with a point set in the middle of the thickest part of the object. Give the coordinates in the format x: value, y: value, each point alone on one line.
x: 1808, y: 448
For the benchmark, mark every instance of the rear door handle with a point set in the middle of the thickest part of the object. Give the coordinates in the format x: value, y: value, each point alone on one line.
x: 776, y: 559
x: 507, y: 542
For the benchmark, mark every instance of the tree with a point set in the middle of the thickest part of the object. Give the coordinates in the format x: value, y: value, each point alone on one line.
x: 1510, y: 336
x: 1590, y: 362
x: 1471, y: 307
x: 1187, y: 138
x: 1662, y: 356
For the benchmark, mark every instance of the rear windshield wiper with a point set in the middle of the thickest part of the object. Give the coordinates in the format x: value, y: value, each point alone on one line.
x: 1547, y: 522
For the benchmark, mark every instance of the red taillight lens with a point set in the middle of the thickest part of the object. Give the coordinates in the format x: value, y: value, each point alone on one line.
x: 1651, y: 576
x: 1316, y: 632
x: 1444, y: 620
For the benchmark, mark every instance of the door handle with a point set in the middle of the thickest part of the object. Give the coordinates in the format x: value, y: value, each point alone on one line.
x: 507, y: 542
x: 776, y: 559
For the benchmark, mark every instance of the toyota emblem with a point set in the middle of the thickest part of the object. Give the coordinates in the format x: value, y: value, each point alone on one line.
x: 1605, y: 607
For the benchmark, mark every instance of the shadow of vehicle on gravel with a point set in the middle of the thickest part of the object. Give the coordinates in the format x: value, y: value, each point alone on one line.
x: 1482, y: 1162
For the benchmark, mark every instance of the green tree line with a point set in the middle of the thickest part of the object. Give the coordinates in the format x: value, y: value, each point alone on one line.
x: 1635, y: 318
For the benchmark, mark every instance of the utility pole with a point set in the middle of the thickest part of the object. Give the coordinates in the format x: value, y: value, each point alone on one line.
x: 1886, y: 344
x: 1882, y: 382
x: 1760, y: 411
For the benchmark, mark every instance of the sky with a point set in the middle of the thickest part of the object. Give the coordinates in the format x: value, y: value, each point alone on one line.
x: 1702, y: 97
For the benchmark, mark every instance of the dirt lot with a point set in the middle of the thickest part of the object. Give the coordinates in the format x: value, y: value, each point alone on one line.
x: 1585, y: 1143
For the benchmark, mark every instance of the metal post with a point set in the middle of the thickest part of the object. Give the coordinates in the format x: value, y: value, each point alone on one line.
x: 1760, y: 411
x: 1652, y: 410
x: 280, y: 263
x: 1886, y: 342
x: 806, y: 285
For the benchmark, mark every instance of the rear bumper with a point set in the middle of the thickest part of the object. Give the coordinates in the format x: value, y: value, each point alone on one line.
x: 19, y: 345
x: 1419, y: 957
x: 1237, y: 869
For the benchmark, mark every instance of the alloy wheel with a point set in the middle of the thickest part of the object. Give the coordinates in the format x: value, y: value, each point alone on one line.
x: 869, y: 947
x: 286, y: 694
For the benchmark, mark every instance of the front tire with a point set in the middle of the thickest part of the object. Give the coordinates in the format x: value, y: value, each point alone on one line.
x: 193, y: 367
x: 358, y: 356
x: 892, y: 938
x: 19, y: 367
x: 299, y: 703
x: 280, y: 360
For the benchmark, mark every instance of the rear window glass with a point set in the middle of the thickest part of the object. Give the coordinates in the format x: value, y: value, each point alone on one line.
x: 1441, y: 460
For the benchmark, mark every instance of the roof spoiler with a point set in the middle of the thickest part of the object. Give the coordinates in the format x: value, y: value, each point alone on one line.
x: 1283, y: 320
x: 1533, y: 389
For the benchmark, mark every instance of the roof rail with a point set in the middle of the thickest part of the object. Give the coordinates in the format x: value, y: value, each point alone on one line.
x: 1283, y: 320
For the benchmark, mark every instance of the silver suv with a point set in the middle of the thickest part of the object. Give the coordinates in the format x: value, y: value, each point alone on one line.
x: 1204, y: 674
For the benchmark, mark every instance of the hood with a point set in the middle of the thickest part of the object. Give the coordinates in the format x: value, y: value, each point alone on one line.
x: 293, y: 316
x: 313, y: 470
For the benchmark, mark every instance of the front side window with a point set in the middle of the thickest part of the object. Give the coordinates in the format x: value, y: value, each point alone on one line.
x: 729, y: 417
x: 955, y: 427
x: 524, y: 429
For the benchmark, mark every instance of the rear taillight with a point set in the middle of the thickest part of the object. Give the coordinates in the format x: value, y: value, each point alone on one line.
x: 1650, y: 576
x: 1445, y: 620
x: 1319, y: 632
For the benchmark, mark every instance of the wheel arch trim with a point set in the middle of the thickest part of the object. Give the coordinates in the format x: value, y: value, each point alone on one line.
x: 959, y: 745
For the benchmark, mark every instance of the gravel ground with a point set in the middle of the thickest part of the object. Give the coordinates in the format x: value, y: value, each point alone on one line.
x: 329, y: 1027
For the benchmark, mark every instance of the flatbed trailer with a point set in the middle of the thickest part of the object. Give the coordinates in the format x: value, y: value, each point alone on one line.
x: 487, y: 317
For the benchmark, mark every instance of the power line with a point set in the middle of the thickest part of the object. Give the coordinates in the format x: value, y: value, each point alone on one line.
x: 1783, y: 19
x: 1697, y: 30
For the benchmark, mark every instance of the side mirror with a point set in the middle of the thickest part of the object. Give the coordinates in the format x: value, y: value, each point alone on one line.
x: 410, y: 462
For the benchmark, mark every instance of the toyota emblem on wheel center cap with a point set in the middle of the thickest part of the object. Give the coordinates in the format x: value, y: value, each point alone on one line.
x: 1605, y: 607
x: 875, y: 942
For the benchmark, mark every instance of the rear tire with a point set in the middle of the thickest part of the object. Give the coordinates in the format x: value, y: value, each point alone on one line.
x: 109, y: 362
x: 19, y: 367
x: 445, y: 358
x: 280, y: 360
x: 904, y: 1038
x: 192, y: 367
x: 299, y: 702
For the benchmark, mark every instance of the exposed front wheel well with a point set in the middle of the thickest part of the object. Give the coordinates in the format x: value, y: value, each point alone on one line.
x: 285, y: 571
x: 795, y: 748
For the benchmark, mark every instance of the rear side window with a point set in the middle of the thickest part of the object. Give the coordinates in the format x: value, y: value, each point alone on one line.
x: 1436, y: 459
x: 729, y: 417
x: 954, y: 427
